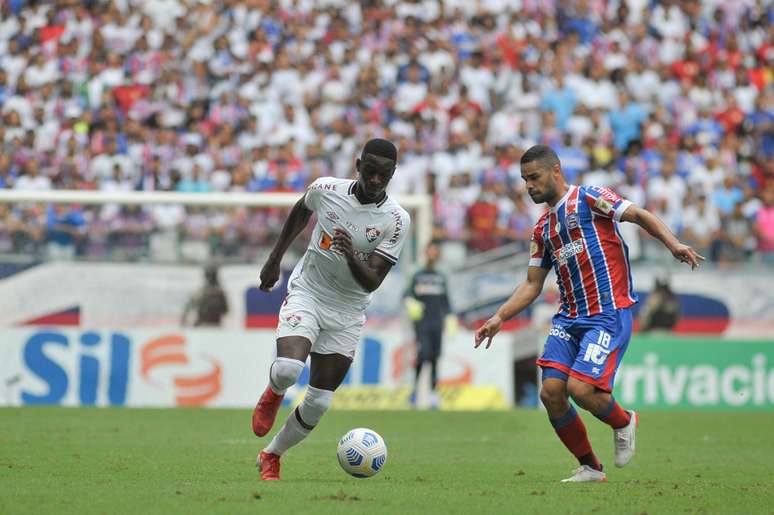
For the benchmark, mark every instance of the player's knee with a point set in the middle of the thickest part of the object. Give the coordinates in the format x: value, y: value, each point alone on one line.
x: 285, y: 372
x: 580, y: 392
x: 552, y: 397
x: 316, y: 402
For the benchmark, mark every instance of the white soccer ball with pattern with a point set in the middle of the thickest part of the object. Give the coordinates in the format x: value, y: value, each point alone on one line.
x: 362, y: 452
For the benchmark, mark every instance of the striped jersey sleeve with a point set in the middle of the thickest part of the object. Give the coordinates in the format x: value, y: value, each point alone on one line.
x: 605, y: 202
x: 538, y: 253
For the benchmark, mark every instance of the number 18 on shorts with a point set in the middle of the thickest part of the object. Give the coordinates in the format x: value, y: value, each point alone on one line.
x: 589, y: 349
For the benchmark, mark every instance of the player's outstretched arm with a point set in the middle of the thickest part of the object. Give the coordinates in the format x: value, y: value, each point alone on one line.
x: 368, y: 274
x: 659, y: 230
x: 525, y: 294
x: 297, y: 219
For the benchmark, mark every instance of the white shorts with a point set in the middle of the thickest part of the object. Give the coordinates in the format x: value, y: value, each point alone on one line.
x: 330, y: 330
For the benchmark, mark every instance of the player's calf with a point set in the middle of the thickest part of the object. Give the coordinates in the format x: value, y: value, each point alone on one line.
x: 613, y: 415
x: 301, y: 422
x: 623, y: 422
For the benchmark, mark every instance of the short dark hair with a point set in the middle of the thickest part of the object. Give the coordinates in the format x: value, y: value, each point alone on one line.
x: 380, y: 147
x: 542, y: 154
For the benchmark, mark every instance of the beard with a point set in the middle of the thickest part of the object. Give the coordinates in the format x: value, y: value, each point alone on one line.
x: 543, y: 196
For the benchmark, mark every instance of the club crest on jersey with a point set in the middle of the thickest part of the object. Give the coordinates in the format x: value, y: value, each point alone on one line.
x: 293, y: 319
x: 533, y: 248
x: 372, y: 233
x: 572, y: 221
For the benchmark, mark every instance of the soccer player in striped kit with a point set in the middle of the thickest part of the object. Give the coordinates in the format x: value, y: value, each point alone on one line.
x: 578, y: 236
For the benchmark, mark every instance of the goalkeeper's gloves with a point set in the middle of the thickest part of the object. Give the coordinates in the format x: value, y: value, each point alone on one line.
x: 414, y: 308
x: 451, y: 325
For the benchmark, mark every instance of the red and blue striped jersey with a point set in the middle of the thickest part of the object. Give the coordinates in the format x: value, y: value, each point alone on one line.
x: 579, y: 237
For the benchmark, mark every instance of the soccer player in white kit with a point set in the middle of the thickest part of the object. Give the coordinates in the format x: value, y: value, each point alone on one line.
x: 358, y: 237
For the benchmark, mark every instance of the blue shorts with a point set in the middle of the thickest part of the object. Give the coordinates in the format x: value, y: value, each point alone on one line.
x: 587, y: 348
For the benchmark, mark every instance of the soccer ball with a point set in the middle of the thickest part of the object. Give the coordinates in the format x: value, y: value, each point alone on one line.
x: 362, y: 452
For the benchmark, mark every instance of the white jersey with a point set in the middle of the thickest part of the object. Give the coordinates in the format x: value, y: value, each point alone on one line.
x: 375, y: 228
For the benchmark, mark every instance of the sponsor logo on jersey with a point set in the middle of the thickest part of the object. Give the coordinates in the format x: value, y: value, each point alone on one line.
x: 372, y: 233
x: 607, y: 195
x: 572, y: 221
x: 569, y: 250
x: 332, y: 216
x: 325, y: 241
x: 533, y: 248
x: 398, y: 227
x: 429, y: 286
x: 352, y: 227
x: 323, y: 186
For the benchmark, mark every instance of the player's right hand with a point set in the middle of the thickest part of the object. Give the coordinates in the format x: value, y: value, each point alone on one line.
x: 270, y: 274
x: 487, y: 331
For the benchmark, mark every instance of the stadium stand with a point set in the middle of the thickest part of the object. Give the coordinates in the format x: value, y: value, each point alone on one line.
x: 669, y: 102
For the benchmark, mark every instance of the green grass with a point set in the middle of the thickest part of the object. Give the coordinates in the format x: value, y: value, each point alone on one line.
x: 68, y: 460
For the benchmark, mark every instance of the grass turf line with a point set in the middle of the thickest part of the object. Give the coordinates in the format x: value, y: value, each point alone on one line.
x: 79, y: 460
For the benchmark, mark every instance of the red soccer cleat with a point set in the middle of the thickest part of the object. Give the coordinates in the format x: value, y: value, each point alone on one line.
x: 266, y: 411
x: 269, y: 465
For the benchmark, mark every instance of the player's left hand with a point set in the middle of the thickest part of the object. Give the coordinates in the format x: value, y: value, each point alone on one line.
x: 342, y: 242
x: 686, y: 254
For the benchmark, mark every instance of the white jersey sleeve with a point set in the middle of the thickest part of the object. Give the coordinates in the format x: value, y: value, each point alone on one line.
x: 316, y: 190
x: 395, y: 238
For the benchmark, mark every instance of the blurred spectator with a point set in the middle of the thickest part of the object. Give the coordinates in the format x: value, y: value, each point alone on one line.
x: 764, y: 226
x: 196, y: 183
x: 208, y: 303
x: 667, y: 192
x: 560, y: 100
x: 661, y: 309
x: 738, y: 241
x: 727, y: 196
x: 130, y: 229
x: 27, y: 227
x: 701, y: 227
x: 482, y: 218
x: 30, y: 179
x: 65, y: 230
x: 266, y: 96
x: 574, y: 160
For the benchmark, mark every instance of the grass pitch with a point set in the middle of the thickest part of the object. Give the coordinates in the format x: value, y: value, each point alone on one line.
x: 76, y: 461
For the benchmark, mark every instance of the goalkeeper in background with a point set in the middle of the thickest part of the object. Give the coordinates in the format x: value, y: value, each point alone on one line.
x: 427, y: 303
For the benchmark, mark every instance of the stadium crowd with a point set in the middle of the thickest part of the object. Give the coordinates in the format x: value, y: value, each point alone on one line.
x: 669, y: 102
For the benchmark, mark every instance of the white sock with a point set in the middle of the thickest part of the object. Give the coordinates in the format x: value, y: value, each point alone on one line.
x: 301, y: 421
x: 290, y: 434
x: 284, y: 373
